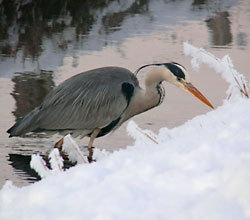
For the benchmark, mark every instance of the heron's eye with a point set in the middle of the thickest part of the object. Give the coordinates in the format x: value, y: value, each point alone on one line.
x: 179, y: 79
x: 175, y: 69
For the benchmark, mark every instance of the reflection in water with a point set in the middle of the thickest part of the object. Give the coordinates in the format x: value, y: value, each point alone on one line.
x: 113, y: 21
x: 21, y: 163
x: 26, y: 23
x: 220, y: 29
x: 199, y: 2
x: 30, y: 90
x: 242, y: 39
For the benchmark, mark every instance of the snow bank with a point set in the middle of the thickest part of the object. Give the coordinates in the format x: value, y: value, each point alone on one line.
x: 199, y: 170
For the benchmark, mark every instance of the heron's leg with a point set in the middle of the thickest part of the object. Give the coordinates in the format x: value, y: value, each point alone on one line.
x: 90, y: 144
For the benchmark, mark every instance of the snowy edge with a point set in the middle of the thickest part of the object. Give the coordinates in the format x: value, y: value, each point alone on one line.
x: 199, y: 170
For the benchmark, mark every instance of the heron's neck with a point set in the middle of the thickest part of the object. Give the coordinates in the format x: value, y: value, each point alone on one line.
x: 150, y: 97
x: 144, y: 100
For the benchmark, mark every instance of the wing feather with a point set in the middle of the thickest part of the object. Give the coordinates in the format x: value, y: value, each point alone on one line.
x: 86, y: 101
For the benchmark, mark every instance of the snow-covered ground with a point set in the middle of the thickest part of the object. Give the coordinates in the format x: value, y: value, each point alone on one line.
x: 200, y: 170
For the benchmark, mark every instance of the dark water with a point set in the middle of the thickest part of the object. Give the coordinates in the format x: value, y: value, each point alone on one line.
x: 44, y: 42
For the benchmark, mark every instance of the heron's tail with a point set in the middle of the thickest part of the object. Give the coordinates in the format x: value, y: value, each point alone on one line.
x: 26, y: 124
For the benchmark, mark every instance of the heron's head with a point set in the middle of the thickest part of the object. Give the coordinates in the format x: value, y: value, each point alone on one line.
x: 177, y: 75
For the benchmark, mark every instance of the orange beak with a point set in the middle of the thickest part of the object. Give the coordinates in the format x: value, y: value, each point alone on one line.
x: 198, y: 94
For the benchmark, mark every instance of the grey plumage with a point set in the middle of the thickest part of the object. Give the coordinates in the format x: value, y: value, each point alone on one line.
x: 98, y: 101
x: 80, y: 103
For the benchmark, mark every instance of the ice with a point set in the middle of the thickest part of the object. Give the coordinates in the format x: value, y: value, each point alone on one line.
x: 199, y: 170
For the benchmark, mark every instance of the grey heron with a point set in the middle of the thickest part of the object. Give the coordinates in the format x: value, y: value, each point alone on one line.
x: 98, y: 101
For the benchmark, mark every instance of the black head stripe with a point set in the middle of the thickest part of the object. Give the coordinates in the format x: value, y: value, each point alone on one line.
x: 177, y: 71
x: 137, y: 71
x: 178, y: 64
x: 173, y: 67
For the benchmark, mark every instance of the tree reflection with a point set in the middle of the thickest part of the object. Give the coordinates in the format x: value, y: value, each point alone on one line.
x: 25, y: 24
x: 30, y: 90
x: 112, y: 21
x: 199, y: 3
x: 31, y: 21
x: 220, y: 29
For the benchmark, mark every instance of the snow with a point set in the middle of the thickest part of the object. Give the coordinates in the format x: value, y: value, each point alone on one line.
x: 223, y: 66
x: 56, y: 160
x: 73, y: 151
x: 37, y: 163
x: 199, y: 170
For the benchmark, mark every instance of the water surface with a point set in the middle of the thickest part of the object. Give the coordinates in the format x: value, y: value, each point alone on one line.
x: 42, y: 43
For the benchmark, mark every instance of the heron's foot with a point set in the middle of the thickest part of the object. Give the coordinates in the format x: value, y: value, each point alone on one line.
x: 90, y: 160
x: 59, y: 144
x: 90, y: 156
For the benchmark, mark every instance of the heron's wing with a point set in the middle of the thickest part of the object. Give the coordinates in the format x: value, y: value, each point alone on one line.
x: 88, y: 100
